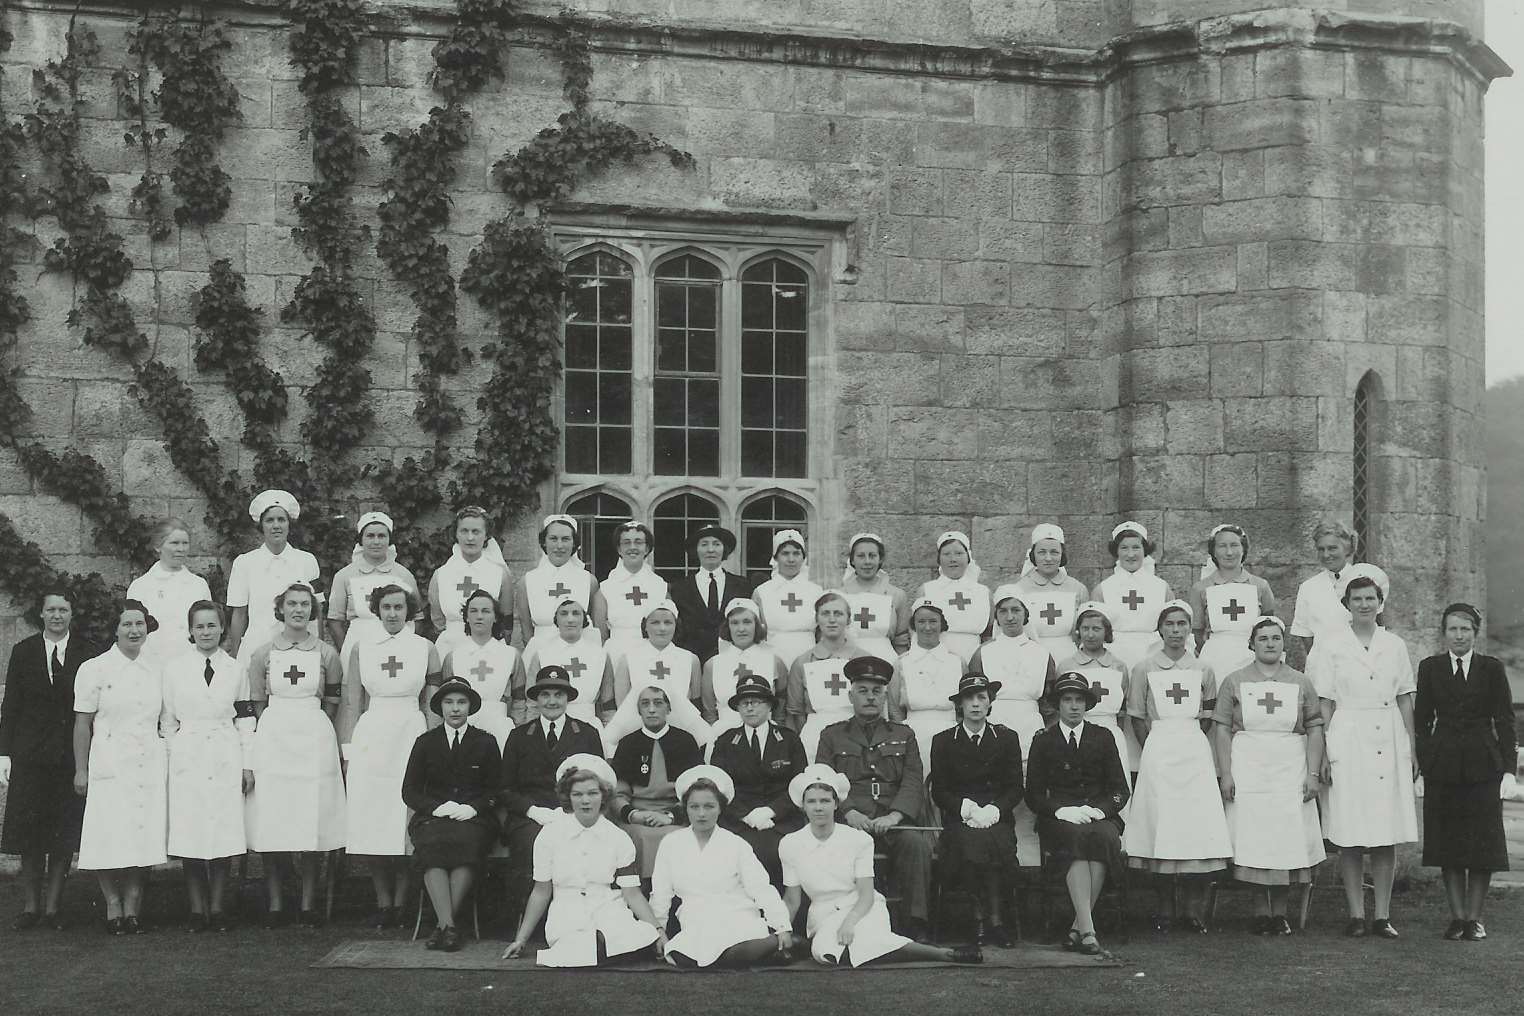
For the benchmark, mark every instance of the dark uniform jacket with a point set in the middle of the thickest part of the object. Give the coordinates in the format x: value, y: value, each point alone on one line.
x: 761, y: 784
x: 1464, y: 729
x: 468, y: 776
x: 883, y: 762
x: 1058, y: 776
x: 698, y: 628
x: 37, y: 715
x: 988, y: 774
x: 632, y: 756
x: 529, y: 765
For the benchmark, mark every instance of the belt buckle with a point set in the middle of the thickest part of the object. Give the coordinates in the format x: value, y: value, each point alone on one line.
x: 875, y: 789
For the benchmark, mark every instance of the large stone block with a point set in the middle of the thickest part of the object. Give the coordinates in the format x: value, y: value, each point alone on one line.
x: 1263, y: 219
x: 1232, y: 481
x: 1185, y: 179
x: 1386, y: 222
x: 1016, y: 331
x: 1029, y: 383
x: 1238, y: 370
x: 1302, y: 73
x: 885, y: 483
x: 1307, y: 264
x: 1193, y: 426
x: 1162, y: 375
x: 1174, y: 479
x: 934, y: 432
x: 148, y: 471
x: 1049, y: 197
x: 1271, y: 424
x: 1279, y: 314
x: 1015, y: 241
x: 52, y: 405
x: 1062, y: 287
x: 893, y: 379
x: 1304, y: 368
x: 975, y: 488
x: 1079, y: 487
x: 971, y: 381
x: 944, y: 238
x: 1410, y: 320
x: 1177, y: 272
x: 976, y: 282
x: 1261, y: 123
x: 1019, y: 434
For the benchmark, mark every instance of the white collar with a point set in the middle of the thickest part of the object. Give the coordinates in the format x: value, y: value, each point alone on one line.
x: 984, y: 728
x: 655, y: 735
x: 1078, y: 731
x: 761, y: 730
x: 1464, y: 660
x: 545, y: 723
x: 701, y: 577
x: 62, y: 644
x: 453, y: 733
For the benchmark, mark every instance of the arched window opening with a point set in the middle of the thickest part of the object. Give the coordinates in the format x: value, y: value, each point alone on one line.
x: 673, y: 522
x: 599, y: 514
x: 686, y: 395
x: 759, y: 521
x: 774, y: 361
x: 599, y: 360
x: 1365, y: 418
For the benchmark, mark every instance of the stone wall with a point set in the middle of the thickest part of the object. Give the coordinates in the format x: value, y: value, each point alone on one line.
x: 1109, y: 267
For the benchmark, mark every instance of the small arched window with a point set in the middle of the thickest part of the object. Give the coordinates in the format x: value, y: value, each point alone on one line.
x: 599, y: 514
x: 673, y: 522
x: 1366, y: 394
x: 686, y: 397
x: 759, y: 521
x: 599, y: 358
x: 774, y: 361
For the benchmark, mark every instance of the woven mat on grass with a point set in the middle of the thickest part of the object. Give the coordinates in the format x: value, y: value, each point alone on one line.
x: 392, y: 955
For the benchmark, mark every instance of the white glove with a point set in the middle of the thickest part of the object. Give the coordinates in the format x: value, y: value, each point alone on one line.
x: 759, y: 818
x: 444, y: 810
x: 544, y: 816
x: 5, y: 770
x: 990, y: 813
x: 463, y: 813
x: 1073, y: 815
x: 1094, y: 812
x: 1510, y: 790
x: 968, y: 809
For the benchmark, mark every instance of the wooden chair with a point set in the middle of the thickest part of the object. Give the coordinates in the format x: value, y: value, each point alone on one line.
x: 1050, y: 883
x: 1301, y: 893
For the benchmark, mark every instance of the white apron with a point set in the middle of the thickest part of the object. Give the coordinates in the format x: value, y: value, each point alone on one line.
x: 966, y: 605
x: 545, y: 587
x: 1233, y: 608
x: 826, y: 685
x: 125, y: 819
x: 584, y: 663
x: 670, y: 669
x: 1271, y: 826
x: 298, y: 797
x: 1020, y: 664
x: 206, y: 807
x: 366, y: 626
x: 872, y: 623
x: 929, y: 678
x: 1109, y: 711
x: 788, y: 607
x: 393, y: 673
x: 264, y: 576
x: 453, y: 582
x: 489, y: 668
x: 1176, y: 809
x: 727, y: 668
x: 1135, y: 599
x: 1052, y: 620
x: 626, y: 598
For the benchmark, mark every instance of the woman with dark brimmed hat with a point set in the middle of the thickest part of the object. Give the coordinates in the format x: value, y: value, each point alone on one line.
x: 702, y: 599
x: 450, y: 784
x: 976, y: 783
x: 761, y: 757
x: 494, y: 668
x: 1093, y: 633
x: 1077, y: 787
x: 583, y: 658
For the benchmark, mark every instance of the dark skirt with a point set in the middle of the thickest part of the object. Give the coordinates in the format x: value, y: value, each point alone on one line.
x: 992, y: 848
x: 1065, y: 842
x: 43, y: 814
x: 1463, y: 826
x: 446, y: 843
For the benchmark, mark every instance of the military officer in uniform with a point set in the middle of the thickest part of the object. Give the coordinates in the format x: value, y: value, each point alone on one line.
x: 883, y: 763
x: 761, y: 757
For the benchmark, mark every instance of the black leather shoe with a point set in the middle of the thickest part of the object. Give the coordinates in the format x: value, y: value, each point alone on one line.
x: 1192, y: 925
x: 435, y: 940
x: 1355, y: 928
x: 1089, y: 945
x: 1381, y: 927
x: 311, y: 919
x: 219, y: 922
x: 1159, y: 922
x: 1280, y: 925
x: 116, y: 926
x: 198, y: 923
x: 1457, y: 930
x: 1476, y: 931
x: 133, y: 926
x: 999, y: 937
x: 967, y: 954
x: 25, y: 921
x: 450, y: 940
x: 1072, y: 940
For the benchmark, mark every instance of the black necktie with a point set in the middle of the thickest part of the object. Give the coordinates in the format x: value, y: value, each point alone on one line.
x: 756, y: 744
x: 454, y: 741
x: 56, y: 667
x: 1073, y: 741
x: 207, y: 673
x: 550, y: 738
x: 714, y: 595
x: 1460, y: 671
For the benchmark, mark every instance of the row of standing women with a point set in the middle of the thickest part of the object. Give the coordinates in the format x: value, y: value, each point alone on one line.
x: 619, y: 643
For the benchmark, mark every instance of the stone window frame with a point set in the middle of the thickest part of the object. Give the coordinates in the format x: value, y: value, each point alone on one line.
x: 733, y: 247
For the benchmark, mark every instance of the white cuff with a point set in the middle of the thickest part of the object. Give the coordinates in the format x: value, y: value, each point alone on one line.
x: 968, y: 809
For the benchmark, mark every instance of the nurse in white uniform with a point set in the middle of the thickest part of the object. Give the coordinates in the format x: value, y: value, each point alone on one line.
x: 1366, y: 685
x: 1106, y: 673
x: 259, y: 576
x: 119, y: 767
x: 1133, y: 593
x: 373, y: 564
x: 168, y: 589
x: 632, y: 585
x: 1227, y: 601
x: 476, y: 562
x: 1053, y: 594
x: 832, y: 865
x: 925, y: 679
x: 585, y: 661
x: 585, y: 876
x: 386, y: 691
x: 965, y: 600
x: 731, y: 916
x: 1026, y: 673
x: 815, y: 695
x: 491, y: 666
x: 880, y: 611
x: 660, y: 663
x: 787, y: 600
x: 207, y: 723
x: 559, y: 576
x: 743, y: 652
x: 1318, y: 608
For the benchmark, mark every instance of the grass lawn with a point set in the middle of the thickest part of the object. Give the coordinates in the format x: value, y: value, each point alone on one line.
x: 256, y: 971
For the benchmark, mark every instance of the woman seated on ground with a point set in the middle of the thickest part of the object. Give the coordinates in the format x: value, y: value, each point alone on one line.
x: 449, y: 784
x: 584, y: 872
x: 647, y: 764
x: 848, y: 919
x: 1076, y: 785
x: 730, y: 914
